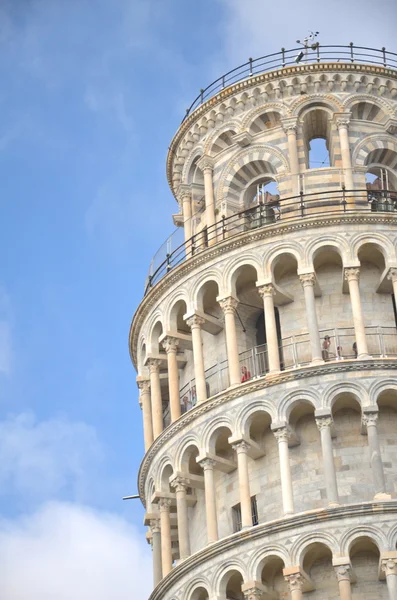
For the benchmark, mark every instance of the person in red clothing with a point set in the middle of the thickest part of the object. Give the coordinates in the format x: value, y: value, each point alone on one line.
x: 245, y: 374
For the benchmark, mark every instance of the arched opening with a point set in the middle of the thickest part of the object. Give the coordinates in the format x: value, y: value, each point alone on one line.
x: 264, y: 122
x: 316, y: 135
x: 364, y: 556
x: 271, y: 575
x: 333, y: 307
x: 247, y: 178
x: 387, y: 426
x: 261, y: 199
x: 317, y: 563
x: 194, y: 472
x: 165, y: 486
x: 367, y: 111
x: 381, y: 179
x: 231, y: 586
x: 177, y: 322
x: 199, y: 594
x: 222, y: 142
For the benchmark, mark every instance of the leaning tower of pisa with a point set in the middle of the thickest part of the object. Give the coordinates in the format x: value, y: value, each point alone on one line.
x: 266, y: 340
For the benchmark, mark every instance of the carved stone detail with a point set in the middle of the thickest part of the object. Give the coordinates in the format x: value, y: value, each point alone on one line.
x: 170, y: 344
x: 343, y: 572
x: 324, y: 422
x: 228, y: 305
x: 307, y: 279
x: 266, y: 290
x: 352, y: 274
x: 195, y: 321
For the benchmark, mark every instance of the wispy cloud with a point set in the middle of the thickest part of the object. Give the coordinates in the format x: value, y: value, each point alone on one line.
x: 41, y: 459
x: 66, y: 551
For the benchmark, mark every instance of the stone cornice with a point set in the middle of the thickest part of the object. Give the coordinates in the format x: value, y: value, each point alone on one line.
x: 292, y: 523
x: 248, y: 388
x: 237, y: 241
x: 265, y: 77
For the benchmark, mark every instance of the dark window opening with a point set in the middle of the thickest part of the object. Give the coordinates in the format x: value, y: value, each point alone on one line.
x: 236, y: 515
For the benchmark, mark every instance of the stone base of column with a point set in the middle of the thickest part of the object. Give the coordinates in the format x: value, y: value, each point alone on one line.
x: 273, y: 373
x: 382, y: 496
x: 364, y: 357
x: 233, y: 386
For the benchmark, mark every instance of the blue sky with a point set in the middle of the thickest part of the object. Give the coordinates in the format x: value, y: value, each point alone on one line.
x: 92, y: 92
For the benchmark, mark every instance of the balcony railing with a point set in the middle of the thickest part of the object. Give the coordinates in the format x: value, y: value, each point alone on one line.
x: 295, y: 352
x: 330, y: 202
x: 286, y: 58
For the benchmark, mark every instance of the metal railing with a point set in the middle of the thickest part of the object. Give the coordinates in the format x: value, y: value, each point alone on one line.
x: 330, y: 202
x: 286, y: 58
x: 295, y: 352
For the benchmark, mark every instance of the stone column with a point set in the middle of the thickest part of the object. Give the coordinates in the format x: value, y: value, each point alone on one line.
x: 144, y: 401
x: 393, y: 276
x: 254, y: 590
x: 195, y: 322
x: 324, y: 424
x: 352, y: 276
x: 166, y: 549
x: 156, y: 548
x: 342, y: 124
x: 157, y: 403
x: 267, y: 293
x: 369, y: 421
x: 206, y: 164
x: 388, y: 563
x: 229, y: 305
x: 307, y: 281
x: 241, y: 449
x: 210, y: 500
x: 295, y: 584
x: 282, y: 435
x: 170, y: 345
x: 290, y: 128
x: 180, y: 484
x: 185, y: 198
x: 343, y: 575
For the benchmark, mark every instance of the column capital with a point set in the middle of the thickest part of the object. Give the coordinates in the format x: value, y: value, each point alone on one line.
x: 388, y: 563
x: 207, y: 464
x: 290, y: 124
x: 307, y: 279
x: 240, y: 447
x: 206, y: 163
x: 343, y: 572
x: 170, y: 344
x: 155, y: 526
x: 266, y: 290
x: 165, y: 504
x: 295, y: 581
x: 253, y: 590
x: 352, y: 274
x: 324, y: 422
x: 228, y: 304
x: 369, y: 419
x: 154, y: 365
x: 342, y: 120
x: 179, y: 483
x: 143, y: 386
x: 184, y: 191
x: 282, y: 434
x: 392, y: 274
x: 195, y: 321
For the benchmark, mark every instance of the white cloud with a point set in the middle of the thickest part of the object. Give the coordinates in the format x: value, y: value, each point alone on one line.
x: 66, y: 551
x: 41, y: 459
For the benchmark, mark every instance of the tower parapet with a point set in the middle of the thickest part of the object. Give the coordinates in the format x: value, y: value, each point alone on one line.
x: 266, y: 342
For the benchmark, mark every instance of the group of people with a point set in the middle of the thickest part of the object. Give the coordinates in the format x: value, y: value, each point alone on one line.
x: 326, y: 354
x: 189, y: 399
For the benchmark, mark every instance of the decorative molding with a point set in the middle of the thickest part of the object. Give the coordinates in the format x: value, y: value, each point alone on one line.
x: 324, y: 422
x: 228, y: 305
x: 307, y: 279
x: 352, y: 274
x: 343, y: 572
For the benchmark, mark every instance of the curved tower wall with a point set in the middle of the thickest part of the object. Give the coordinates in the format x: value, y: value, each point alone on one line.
x: 266, y: 348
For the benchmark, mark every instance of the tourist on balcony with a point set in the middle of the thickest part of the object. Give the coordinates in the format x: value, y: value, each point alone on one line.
x: 245, y: 374
x: 325, y: 350
x: 355, y: 351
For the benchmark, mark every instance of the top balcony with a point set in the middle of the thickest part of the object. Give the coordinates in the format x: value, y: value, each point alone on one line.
x: 315, y: 53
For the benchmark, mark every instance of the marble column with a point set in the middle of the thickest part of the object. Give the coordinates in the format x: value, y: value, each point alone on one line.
x: 324, y: 425
x: 180, y: 485
x: 282, y: 435
x: 342, y: 124
x: 206, y: 164
x: 157, y: 403
x: 308, y: 280
x: 267, y: 293
x: 343, y: 575
x: 195, y: 322
x: 388, y: 563
x: 166, y: 548
x: 156, y: 549
x: 229, y: 306
x: 241, y: 449
x: 352, y: 277
x: 210, y: 499
x: 290, y: 128
x: 295, y: 585
x: 170, y: 345
x: 185, y: 198
x: 369, y: 421
x: 144, y: 401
